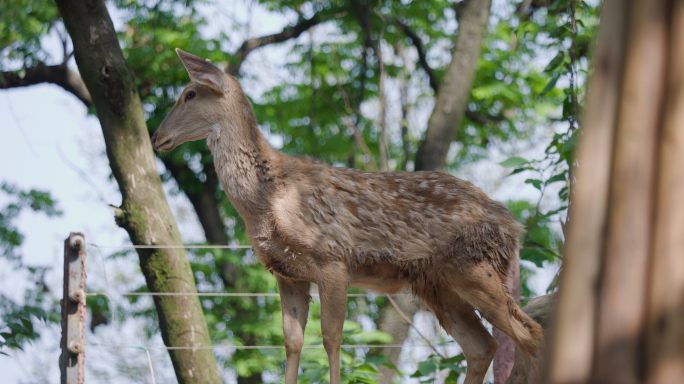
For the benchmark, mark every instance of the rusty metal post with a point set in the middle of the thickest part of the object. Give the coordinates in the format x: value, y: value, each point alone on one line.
x: 72, y: 360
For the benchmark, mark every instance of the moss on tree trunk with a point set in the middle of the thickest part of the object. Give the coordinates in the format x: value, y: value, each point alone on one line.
x: 144, y: 212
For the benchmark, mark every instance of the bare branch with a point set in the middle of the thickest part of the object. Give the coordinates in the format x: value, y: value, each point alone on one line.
x: 55, y: 74
x: 64, y: 38
x: 363, y: 15
x: 483, y: 118
x: 417, y: 42
x: 434, y: 83
x: 288, y: 33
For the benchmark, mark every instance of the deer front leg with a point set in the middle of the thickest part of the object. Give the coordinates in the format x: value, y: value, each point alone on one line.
x: 332, y: 286
x: 294, y: 300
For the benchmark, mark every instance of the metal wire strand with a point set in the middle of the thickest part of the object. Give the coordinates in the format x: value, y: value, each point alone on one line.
x: 315, y: 346
x: 184, y: 246
x: 218, y: 294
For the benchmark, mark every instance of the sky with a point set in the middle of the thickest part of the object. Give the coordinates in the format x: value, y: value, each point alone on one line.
x: 49, y: 143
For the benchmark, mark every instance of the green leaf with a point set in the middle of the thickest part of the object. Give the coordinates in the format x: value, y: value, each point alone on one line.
x: 452, y: 378
x: 455, y: 359
x: 426, y: 367
x: 269, y: 352
x: 536, y: 183
x: 559, y: 177
x: 550, y: 85
x: 555, y: 62
x: 28, y: 325
x: 518, y: 170
x: 18, y: 328
x: 514, y: 162
x: 367, y: 368
x: 558, y: 5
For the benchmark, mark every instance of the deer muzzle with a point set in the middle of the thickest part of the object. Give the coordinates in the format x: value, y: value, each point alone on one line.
x: 161, y: 143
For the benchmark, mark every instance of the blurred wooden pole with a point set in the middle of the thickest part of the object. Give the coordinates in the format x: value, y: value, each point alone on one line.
x: 665, y: 344
x: 620, y: 313
x: 572, y: 342
x: 623, y: 284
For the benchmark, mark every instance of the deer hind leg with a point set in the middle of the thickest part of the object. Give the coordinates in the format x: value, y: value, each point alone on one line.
x: 460, y: 320
x: 294, y: 300
x: 481, y: 286
x: 333, y: 281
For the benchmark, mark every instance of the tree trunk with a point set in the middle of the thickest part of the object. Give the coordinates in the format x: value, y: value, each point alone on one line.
x: 391, y: 322
x: 144, y: 212
x: 452, y: 99
x: 204, y: 199
x: 665, y: 334
x: 575, y: 315
x: 621, y: 300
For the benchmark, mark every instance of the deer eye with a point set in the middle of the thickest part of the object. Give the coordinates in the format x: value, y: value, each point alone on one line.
x: 190, y: 95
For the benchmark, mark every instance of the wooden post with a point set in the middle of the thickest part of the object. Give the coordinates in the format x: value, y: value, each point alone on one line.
x: 72, y: 360
x: 620, y: 308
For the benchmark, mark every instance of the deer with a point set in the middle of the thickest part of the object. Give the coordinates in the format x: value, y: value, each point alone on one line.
x: 309, y: 222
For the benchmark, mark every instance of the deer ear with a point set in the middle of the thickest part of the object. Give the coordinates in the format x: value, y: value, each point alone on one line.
x: 202, y: 71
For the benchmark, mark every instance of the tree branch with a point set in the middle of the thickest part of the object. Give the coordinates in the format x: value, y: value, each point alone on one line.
x: 528, y: 7
x: 418, y: 43
x: 434, y: 83
x: 288, y: 33
x: 55, y: 74
x: 483, y: 118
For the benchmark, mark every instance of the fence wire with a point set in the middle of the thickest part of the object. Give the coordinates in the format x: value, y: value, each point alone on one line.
x: 107, y: 293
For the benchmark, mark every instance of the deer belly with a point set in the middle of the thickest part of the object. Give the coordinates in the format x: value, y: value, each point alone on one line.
x: 290, y: 265
x: 384, y: 278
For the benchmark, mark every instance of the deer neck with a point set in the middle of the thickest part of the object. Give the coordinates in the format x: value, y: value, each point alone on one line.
x: 244, y: 162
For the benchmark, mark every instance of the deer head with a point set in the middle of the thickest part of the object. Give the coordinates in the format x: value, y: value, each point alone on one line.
x: 197, y: 111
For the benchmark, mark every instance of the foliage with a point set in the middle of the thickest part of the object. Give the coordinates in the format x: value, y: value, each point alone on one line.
x: 22, y: 24
x: 21, y: 328
x: 428, y: 370
x: 567, y: 28
x: 10, y: 238
x: 18, y: 320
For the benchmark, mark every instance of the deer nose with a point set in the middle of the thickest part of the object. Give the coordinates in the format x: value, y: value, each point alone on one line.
x: 154, y: 140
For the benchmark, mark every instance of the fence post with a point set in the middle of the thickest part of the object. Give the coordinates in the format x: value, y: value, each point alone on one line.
x: 72, y: 360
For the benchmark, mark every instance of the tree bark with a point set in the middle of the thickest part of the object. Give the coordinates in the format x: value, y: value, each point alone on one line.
x: 202, y: 196
x: 391, y: 322
x: 451, y: 102
x: 144, y: 212
x: 665, y: 345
